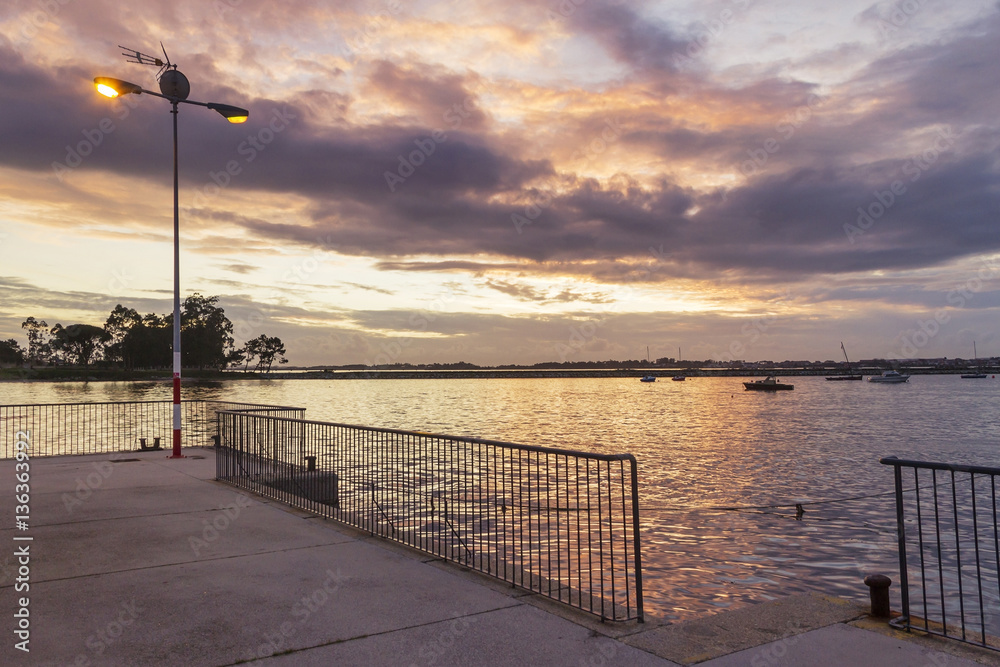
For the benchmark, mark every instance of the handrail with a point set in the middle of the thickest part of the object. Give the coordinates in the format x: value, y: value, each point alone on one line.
x: 944, y: 523
x: 560, y: 523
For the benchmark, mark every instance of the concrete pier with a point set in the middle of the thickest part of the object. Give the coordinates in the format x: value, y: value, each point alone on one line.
x: 137, y: 559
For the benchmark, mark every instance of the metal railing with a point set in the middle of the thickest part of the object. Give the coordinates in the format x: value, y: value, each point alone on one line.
x: 560, y: 523
x: 60, y: 429
x: 949, y: 550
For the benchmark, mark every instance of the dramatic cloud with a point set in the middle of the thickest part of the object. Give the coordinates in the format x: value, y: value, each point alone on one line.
x: 512, y: 170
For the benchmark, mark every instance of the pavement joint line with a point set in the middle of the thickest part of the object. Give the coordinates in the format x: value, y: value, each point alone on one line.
x: 185, y: 562
x: 384, y: 632
x: 117, y: 518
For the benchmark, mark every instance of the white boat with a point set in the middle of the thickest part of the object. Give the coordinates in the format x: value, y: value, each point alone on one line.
x: 889, y: 377
x: 648, y: 377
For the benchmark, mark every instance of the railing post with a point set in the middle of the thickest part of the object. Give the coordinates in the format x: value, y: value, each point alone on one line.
x: 904, y: 580
x: 635, y: 535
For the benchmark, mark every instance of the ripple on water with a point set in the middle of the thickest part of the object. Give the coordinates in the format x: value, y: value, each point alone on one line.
x: 701, y: 444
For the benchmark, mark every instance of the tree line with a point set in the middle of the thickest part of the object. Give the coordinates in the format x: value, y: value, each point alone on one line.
x: 132, y: 341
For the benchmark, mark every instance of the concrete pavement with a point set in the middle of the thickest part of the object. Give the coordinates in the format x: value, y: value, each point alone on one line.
x: 138, y: 559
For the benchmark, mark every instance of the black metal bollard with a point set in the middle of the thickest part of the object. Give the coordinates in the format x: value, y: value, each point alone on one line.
x: 878, y: 590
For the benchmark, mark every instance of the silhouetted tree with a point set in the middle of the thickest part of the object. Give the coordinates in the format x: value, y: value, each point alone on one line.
x: 271, y: 348
x: 118, y: 326
x: 11, y: 352
x: 78, y: 343
x: 206, y: 333
x: 38, y: 340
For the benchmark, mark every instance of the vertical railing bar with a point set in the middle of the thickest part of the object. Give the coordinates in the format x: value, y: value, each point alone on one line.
x: 628, y: 597
x: 600, y: 536
x: 548, y: 524
x: 579, y: 539
x: 635, y: 535
x: 611, y: 541
x: 996, y: 532
x: 940, y: 558
x: 901, y: 541
x: 920, y: 544
x: 518, y: 505
x: 979, y: 571
x: 958, y: 554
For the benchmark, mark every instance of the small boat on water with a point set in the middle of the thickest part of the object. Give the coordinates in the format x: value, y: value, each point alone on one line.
x: 889, y: 377
x: 770, y: 383
x: 977, y: 375
x: 849, y: 376
x: 648, y: 377
x: 679, y: 378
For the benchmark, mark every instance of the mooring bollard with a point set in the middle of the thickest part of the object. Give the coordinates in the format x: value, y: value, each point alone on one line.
x: 878, y: 590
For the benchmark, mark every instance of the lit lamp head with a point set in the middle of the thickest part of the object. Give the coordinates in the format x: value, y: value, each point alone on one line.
x: 231, y: 113
x: 114, y: 87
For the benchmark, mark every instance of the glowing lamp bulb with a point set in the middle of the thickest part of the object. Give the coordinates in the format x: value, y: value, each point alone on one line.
x: 106, y: 90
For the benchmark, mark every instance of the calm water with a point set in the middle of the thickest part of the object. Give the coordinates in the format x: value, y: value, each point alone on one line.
x: 702, y: 445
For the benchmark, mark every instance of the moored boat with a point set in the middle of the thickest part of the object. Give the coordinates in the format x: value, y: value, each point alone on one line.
x: 978, y: 375
x: 679, y: 378
x: 648, y: 377
x: 849, y: 376
x: 770, y: 383
x: 889, y: 377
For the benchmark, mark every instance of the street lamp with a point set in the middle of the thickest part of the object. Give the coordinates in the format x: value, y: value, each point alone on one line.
x: 175, y: 88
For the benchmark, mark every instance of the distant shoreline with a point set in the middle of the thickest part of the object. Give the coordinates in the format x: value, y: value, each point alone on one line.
x: 110, y: 375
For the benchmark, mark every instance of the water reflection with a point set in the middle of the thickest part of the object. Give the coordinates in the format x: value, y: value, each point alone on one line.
x: 702, y: 445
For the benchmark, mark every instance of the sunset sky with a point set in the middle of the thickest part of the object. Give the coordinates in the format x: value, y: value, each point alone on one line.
x: 516, y: 182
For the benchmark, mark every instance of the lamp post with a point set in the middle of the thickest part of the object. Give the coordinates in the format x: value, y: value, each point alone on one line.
x: 175, y: 88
